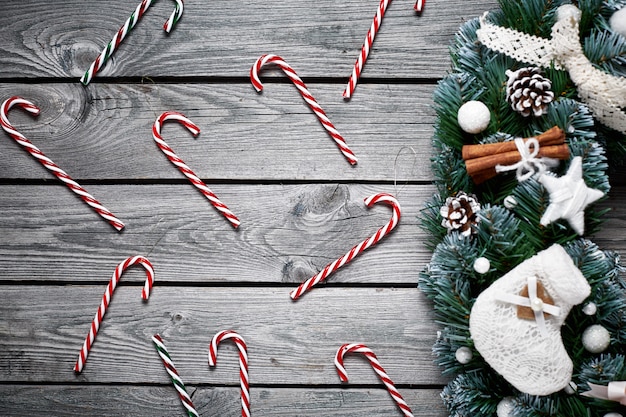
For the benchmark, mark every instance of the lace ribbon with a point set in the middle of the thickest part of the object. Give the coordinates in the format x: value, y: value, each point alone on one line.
x: 529, y: 164
x: 536, y: 304
x: 605, y: 94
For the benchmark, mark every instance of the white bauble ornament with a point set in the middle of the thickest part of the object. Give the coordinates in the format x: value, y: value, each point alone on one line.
x: 618, y: 21
x: 613, y: 415
x: 590, y: 309
x: 463, y: 355
x: 510, y: 202
x: 482, y: 265
x: 505, y: 407
x: 529, y: 353
x: 596, y: 338
x: 474, y: 117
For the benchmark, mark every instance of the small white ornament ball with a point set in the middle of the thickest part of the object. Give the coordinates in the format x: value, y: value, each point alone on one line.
x: 463, y: 355
x: 618, y: 21
x: 510, y: 202
x: 482, y: 265
x: 596, y: 338
x: 613, y: 415
x: 474, y: 117
x: 590, y: 309
x: 505, y: 407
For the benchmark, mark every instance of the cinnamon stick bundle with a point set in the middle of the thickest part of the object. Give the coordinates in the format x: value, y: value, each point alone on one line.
x: 481, y: 160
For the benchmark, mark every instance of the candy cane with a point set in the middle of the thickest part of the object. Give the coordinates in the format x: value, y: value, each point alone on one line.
x: 243, y: 364
x: 173, y: 373
x: 306, y: 95
x: 367, y: 352
x: 200, y: 185
x: 370, y: 241
x: 47, y: 162
x: 419, y: 6
x: 365, y: 49
x: 123, y: 31
x: 106, y: 299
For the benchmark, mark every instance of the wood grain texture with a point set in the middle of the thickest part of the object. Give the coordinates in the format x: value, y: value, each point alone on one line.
x: 288, y: 233
x: 268, y: 158
x: 104, y: 132
x: 318, y: 38
x: 42, y: 331
x: 161, y: 401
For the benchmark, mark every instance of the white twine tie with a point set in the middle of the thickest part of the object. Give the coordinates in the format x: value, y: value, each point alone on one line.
x: 529, y: 164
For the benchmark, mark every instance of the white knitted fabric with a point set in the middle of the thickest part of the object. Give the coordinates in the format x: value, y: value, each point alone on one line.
x: 533, y: 361
x: 605, y: 94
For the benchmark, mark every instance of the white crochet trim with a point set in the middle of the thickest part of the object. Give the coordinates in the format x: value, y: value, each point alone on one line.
x: 605, y: 94
x: 516, y: 348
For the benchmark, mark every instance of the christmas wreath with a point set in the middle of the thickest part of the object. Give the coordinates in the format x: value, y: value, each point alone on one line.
x: 532, y: 312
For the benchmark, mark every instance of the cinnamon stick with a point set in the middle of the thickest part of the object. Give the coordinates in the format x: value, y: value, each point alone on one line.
x: 482, y: 169
x: 552, y: 136
x: 509, y: 158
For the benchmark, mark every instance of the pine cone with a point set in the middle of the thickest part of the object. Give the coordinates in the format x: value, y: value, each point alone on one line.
x: 528, y: 91
x: 459, y: 213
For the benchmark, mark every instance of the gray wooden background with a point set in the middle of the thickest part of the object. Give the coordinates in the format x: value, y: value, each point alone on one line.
x: 267, y: 157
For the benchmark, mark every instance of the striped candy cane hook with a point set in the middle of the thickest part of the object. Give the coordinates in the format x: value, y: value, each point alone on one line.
x: 106, y: 300
x: 370, y: 241
x: 243, y: 364
x: 123, y: 31
x: 373, y: 360
x: 174, y: 376
x: 47, y: 162
x: 365, y: 49
x: 195, y: 180
x: 369, y: 41
x: 306, y: 95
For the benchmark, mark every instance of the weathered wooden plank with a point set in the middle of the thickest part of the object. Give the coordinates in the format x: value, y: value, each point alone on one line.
x: 225, y: 37
x: 105, y: 132
x: 42, y: 330
x: 288, y: 233
x: 71, y: 400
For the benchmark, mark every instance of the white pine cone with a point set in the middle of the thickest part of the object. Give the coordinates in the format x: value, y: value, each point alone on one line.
x: 460, y: 213
x: 528, y: 91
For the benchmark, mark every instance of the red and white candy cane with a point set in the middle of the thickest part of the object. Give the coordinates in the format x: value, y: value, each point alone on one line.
x: 195, y: 180
x: 371, y: 357
x: 106, y: 300
x: 47, y: 162
x: 123, y: 31
x: 370, y: 241
x: 365, y: 49
x: 369, y: 41
x: 306, y: 95
x: 243, y: 364
x: 419, y: 6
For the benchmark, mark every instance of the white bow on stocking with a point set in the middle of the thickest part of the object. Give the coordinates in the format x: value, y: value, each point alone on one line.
x: 605, y: 94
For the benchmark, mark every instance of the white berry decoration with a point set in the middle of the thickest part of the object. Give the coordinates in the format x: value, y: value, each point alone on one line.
x: 474, y: 117
x: 596, y: 338
x: 505, y: 407
x: 463, y: 355
x: 482, y: 265
x: 590, y: 309
x: 618, y: 21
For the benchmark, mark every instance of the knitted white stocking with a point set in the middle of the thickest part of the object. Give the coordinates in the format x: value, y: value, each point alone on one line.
x: 529, y: 352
